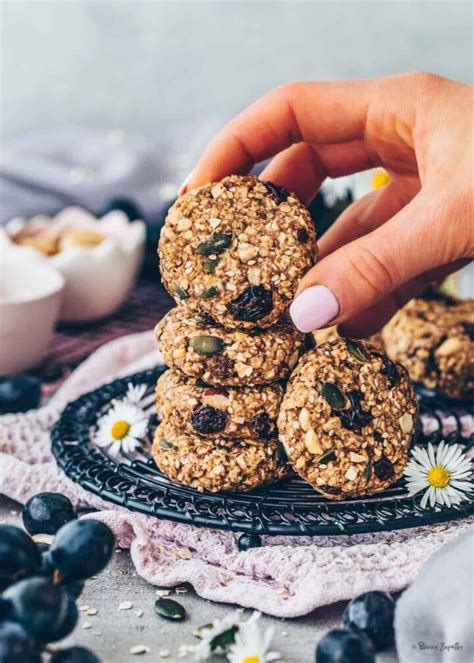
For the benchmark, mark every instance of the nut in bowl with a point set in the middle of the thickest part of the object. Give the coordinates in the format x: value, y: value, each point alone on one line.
x: 98, y: 258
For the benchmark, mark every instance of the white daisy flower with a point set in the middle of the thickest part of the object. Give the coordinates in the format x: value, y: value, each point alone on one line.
x: 135, y: 393
x: 122, y: 427
x: 217, y: 637
x: 336, y: 190
x: 444, y: 473
x: 251, y: 646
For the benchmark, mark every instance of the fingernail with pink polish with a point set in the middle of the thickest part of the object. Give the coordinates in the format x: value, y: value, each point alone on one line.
x: 182, y: 189
x: 314, y: 308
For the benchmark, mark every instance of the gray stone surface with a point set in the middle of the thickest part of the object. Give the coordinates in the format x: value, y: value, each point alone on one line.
x: 113, y: 632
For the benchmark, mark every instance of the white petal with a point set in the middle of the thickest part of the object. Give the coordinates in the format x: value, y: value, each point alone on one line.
x: 424, y: 500
x: 448, y: 456
x: 462, y: 485
x: 431, y: 454
x: 440, y: 453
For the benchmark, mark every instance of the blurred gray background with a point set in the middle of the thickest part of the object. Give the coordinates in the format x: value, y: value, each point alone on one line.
x: 141, y: 65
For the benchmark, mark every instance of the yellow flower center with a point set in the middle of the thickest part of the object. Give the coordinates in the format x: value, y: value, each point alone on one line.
x: 438, y: 476
x: 120, y: 429
x: 251, y: 659
x: 380, y: 179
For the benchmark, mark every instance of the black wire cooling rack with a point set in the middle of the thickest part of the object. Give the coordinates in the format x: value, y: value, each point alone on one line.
x: 289, y: 507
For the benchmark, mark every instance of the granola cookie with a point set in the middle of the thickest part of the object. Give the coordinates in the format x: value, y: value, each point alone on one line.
x: 433, y: 337
x: 217, y: 464
x: 348, y: 418
x: 236, y: 249
x: 200, y: 348
x: 194, y: 407
x: 331, y: 334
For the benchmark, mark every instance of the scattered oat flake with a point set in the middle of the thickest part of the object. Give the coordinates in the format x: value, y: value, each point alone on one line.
x: 165, y: 653
x: 183, y: 554
x: 139, y: 649
x: 83, y: 608
x: 163, y: 592
x: 125, y: 605
x: 86, y: 626
x: 90, y: 612
x: 139, y: 613
x: 283, y: 592
x: 181, y: 590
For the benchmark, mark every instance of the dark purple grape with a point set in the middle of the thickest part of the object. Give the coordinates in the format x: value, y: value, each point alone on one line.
x: 389, y: 369
x: 39, y: 606
x: 469, y: 329
x: 278, y: 193
x: 17, y: 645
x: 221, y: 367
x: 74, y: 655
x: 253, y: 304
x: 46, y: 513
x: 19, y: 393
x: 73, y: 587
x: 207, y: 419
x: 372, y: 613
x: 341, y: 646
x: 68, y: 622
x: 19, y: 556
x: 82, y: 548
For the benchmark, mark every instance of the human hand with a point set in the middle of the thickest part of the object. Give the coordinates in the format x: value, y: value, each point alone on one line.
x: 387, y: 246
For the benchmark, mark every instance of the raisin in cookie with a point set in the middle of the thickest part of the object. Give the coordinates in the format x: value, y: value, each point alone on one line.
x: 217, y: 464
x: 200, y: 348
x: 433, y: 337
x: 195, y: 407
x: 237, y: 249
x: 348, y: 418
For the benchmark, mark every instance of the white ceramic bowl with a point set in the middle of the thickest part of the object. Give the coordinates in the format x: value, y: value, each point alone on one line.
x: 30, y: 297
x: 98, y: 278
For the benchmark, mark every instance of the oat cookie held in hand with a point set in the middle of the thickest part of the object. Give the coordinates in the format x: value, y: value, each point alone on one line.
x: 348, y: 419
x: 236, y: 250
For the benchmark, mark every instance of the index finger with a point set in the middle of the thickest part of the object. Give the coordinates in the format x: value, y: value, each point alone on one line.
x: 311, y: 112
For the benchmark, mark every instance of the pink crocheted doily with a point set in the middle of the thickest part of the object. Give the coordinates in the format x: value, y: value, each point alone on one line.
x: 289, y: 576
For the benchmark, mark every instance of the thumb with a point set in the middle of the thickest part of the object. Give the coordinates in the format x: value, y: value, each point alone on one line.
x: 364, y: 271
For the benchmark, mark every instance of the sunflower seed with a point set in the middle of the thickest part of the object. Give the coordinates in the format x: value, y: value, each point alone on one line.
x: 166, y: 445
x: 180, y: 292
x: 209, y: 293
x: 216, y: 244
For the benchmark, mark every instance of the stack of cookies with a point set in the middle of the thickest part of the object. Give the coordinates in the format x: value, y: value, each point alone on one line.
x: 231, y: 254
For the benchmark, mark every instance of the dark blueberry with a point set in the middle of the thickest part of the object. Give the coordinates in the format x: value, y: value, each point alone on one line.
x: 43, y: 547
x: 469, y: 329
x: 372, y: 613
x: 74, y: 655
x: 46, y: 513
x: 302, y: 235
x: 220, y: 367
x: 389, y: 369
x: 39, y: 606
x: 125, y: 205
x: 82, y: 548
x: 262, y: 425
x: 17, y: 645
x: 19, y: 555
x: 278, y: 193
x: 19, y: 393
x: 46, y: 569
x: 341, y: 646
x: 252, y: 305
x: 383, y: 469
x: 69, y: 620
x: 354, y: 418
x: 247, y: 541
x: 207, y: 419
x: 73, y: 587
